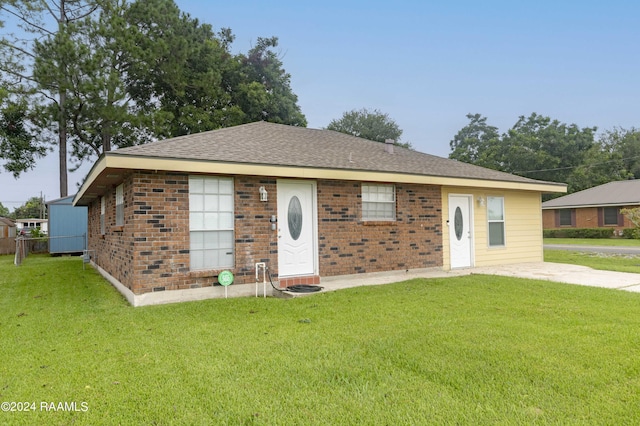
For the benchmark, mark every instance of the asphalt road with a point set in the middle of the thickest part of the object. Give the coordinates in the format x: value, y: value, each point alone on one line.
x: 595, y: 249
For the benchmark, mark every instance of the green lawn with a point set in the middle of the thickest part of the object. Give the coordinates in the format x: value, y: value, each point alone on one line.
x: 622, y: 242
x: 603, y: 261
x: 469, y: 350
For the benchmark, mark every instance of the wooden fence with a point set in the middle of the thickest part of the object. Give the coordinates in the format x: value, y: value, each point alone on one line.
x: 7, y: 245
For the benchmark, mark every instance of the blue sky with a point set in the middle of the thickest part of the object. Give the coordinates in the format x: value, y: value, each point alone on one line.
x: 428, y: 64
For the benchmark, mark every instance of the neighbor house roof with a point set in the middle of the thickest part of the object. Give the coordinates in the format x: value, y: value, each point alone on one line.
x: 7, y: 222
x: 268, y: 149
x: 619, y: 193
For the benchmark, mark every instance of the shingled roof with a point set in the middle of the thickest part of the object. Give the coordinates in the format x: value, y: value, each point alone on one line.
x: 278, y: 150
x: 618, y: 193
x: 281, y: 145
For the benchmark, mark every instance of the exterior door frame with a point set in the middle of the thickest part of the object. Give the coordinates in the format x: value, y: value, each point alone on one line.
x: 469, y: 237
x: 312, y: 225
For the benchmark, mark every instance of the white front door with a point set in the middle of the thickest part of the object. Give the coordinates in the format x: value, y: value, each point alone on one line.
x: 296, y: 228
x: 460, y: 231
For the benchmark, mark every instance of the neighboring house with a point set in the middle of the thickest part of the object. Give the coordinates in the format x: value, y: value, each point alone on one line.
x: 7, y: 228
x: 7, y: 236
x: 67, y: 226
x: 26, y: 225
x: 595, y: 207
x: 167, y: 217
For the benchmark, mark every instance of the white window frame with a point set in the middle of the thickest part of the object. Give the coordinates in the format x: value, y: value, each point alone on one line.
x: 120, y: 205
x: 103, y: 209
x: 376, y: 199
x: 496, y: 220
x: 211, y: 223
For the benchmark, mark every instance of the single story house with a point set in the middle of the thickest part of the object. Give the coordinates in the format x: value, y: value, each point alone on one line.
x: 595, y: 207
x: 166, y: 218
x: 67, y: 226
x: 26, y: 225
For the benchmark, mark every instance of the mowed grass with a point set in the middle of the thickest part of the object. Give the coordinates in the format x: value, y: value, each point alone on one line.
x: 467, y: 350
x: 602, y: 261
x: 619, y: 242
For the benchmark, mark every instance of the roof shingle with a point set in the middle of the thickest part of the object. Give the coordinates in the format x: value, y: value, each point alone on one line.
x: 281, y: 145
x: 618, y: 193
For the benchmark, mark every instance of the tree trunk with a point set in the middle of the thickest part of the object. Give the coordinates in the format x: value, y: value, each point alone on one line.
x: 106, y: 137
x: 62, y: 148
x: 62, y: 121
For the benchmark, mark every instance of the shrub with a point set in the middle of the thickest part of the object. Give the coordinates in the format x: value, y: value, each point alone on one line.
x: 578, y: 233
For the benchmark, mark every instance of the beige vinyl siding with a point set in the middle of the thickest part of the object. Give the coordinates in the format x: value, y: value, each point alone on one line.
x: 523, y: 227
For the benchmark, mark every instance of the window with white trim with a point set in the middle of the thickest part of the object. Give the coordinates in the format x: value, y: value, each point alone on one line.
x: 103, y: 209
x: 211, y: 222
x: 378, y: 202
x: 495, y: 216
x: 120, y: 205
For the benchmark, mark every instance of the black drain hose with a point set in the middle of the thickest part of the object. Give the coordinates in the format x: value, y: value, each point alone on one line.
x: 297, y: 288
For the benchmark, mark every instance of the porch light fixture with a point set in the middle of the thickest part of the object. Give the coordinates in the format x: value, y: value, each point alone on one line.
x: 481, y: 201
x: 264, y: 195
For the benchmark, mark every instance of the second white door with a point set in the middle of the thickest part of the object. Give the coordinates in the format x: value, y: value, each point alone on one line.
x: 460, y: 231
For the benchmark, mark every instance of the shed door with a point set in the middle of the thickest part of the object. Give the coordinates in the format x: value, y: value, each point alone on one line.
x: 460, y: 231
x: 296, y: 228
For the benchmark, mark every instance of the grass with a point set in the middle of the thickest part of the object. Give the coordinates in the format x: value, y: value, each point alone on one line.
x: 620, y: 242
x: 602, y: 261
x: 467, y: 350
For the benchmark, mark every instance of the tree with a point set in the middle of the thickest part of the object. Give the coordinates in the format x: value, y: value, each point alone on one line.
x: 545, y: 149
x: 43, y: 20
x: 18, y: 147
x: 476, y: 142
x: 373, y: 125
x: 625, y: 144
x: 601, y: 164
x: 191, y: 76
x: 263, y: 91
x: 4, y: 212
x: 633, y: 214
x: 99, y: 74
x: 182, y: 69
x: 535, y: 147
x: 101, y: 112
x: 33, y: 208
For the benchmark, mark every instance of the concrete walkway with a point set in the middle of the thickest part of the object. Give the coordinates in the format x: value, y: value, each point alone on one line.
x: 565, y: 273
x: 558, y: 272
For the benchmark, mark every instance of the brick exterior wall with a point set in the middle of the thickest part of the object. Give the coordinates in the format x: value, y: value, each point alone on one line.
x: 151, y: 251
x: 347, y: 245
x: 586, y: 217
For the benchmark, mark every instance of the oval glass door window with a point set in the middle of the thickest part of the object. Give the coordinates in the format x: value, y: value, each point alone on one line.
x: 294, y: 217
x: 457, y: 223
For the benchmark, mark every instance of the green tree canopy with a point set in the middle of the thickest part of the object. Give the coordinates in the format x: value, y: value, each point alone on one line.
x: 4, y: 211
x: 98, y: 74
x: 475, y: 143
x: 373, y: 125
x: 189, y: 74
x: 264, y: 90
x: 18, y: 147
x: 535, y: 147
x: 33, y: 208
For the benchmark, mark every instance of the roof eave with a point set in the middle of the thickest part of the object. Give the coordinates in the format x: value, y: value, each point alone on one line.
x: 113, y: 160
x: 584, y: 206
